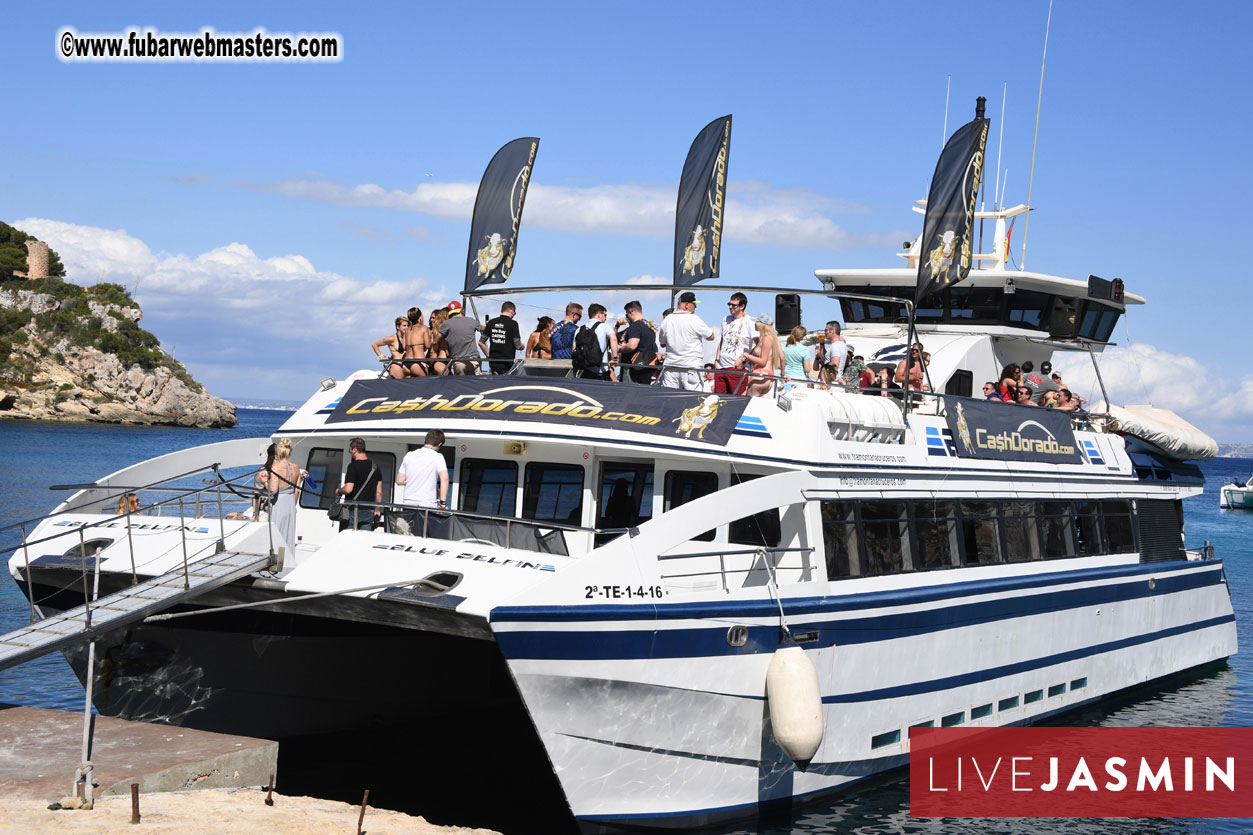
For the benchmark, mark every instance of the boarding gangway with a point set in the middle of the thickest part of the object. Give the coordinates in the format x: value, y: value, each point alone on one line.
x: 127, y: 606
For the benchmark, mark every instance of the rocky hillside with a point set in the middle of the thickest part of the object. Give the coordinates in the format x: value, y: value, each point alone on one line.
x: 74, y: 353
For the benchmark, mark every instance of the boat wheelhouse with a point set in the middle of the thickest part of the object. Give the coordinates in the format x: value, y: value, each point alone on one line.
x: 624, y: 562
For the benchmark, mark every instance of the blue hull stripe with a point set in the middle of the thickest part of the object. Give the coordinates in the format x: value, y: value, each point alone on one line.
x: 838, y: 602
x: 935, y: 685
x: 705, y: 642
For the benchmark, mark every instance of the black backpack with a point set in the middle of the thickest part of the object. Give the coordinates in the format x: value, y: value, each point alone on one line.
x: 586, y: 355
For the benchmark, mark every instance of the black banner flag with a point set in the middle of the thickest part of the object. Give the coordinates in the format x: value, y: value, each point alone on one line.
x: 985, y: 429
x: 498, y: 212
x: 702, y: 198
x: 584, y: 405
x: 944, y: 249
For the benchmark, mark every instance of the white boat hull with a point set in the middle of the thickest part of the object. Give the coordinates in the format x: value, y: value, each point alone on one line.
x: 650, y: 718
x: 1234, y: 497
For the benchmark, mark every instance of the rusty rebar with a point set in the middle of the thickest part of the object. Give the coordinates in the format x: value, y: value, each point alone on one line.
x: 361, y: 817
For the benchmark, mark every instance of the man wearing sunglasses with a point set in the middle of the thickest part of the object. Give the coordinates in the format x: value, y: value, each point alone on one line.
x: 738, y: 334
x: 915, y: 368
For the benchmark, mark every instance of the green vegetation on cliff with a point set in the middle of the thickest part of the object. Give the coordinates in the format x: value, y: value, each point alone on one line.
x: 13, y: 253
x: 73, y: 320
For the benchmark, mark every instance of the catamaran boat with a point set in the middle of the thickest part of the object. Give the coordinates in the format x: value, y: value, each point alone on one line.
x: 705, y: 605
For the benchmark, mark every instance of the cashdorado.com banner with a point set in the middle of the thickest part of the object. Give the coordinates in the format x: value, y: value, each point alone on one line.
x: 1007, y: 432
x: 588, y: 404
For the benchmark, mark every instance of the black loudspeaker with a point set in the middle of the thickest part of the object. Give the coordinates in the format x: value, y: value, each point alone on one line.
x: 787, y: 312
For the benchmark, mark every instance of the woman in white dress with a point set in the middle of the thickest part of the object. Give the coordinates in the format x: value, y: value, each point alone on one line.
x: 284, y: 484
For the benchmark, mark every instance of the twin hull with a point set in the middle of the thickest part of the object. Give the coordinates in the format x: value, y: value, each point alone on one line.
x: 654, y: 713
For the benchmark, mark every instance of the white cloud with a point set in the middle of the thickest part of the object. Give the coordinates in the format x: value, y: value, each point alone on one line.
x: 230, y: 306
x: 1142, y: 374
x: 756, y: 212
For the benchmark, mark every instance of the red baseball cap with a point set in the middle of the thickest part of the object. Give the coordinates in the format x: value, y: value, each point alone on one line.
x: 454, y: 308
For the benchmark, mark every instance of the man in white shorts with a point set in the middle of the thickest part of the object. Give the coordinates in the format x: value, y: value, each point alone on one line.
x: 680, y: 336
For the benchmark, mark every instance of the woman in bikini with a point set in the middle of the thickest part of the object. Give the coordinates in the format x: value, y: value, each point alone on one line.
x: 439, y: 345
x: 417, y: 346
x: 539, y: 345
x: 396, y: 345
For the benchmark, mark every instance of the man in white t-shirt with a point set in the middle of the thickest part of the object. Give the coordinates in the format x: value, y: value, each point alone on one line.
x: 738, y: 334
x: 680, y: 337
x: 419, y: 472
x: 834, y: 354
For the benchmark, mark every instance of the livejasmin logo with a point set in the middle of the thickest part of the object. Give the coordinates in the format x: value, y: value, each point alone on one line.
x: 1080, y: 772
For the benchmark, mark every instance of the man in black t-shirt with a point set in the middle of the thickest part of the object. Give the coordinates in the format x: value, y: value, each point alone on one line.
x: 640, y: 345
x: 502, y: 340
x: 361, y: 485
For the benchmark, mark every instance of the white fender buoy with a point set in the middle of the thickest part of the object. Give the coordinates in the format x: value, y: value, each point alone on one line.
x: 795, y: 703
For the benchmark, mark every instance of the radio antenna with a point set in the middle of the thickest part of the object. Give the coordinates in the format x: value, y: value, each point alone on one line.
x: 1000, y: 143
x: 944, y: 131
x: 1031, y: 176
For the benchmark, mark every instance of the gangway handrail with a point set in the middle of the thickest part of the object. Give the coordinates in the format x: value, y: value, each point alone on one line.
x: 171, y: 501
x: 212, y: 468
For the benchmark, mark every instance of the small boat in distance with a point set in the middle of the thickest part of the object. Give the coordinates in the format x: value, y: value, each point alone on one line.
x: 1236, y: 496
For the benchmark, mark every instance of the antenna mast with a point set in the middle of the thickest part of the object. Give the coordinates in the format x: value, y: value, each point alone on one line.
x: 1000, y: 143
x: 1031, y: 176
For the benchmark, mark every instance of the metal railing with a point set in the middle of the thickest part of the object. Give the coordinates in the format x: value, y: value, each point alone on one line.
x: 434, y: 523
x: 723, y: 572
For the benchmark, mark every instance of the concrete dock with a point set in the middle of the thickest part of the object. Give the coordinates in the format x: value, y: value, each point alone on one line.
x: 40, y: 750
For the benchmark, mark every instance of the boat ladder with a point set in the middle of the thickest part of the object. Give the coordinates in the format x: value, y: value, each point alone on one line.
x: 127, y: 606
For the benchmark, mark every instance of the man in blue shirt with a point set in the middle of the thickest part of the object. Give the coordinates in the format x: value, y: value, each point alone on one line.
x: 563, y: 334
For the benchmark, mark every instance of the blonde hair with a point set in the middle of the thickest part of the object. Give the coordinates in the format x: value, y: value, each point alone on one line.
x: 282, y: 450
x: 776, y: 352
x: 797, y: 334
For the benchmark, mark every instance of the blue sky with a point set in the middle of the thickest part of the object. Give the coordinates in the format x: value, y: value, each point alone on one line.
x: 273, y: 218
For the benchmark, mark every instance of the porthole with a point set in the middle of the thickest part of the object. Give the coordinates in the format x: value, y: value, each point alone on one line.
x: 737, y: 636
x: 89, y: 548
x: 433, y: 585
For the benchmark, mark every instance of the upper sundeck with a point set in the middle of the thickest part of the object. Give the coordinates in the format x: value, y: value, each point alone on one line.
x: 993, y: 295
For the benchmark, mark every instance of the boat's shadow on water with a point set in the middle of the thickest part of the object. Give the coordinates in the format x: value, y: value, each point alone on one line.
x: 492, y: 773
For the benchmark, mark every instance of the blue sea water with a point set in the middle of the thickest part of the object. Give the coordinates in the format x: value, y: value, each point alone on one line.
x: 35, y: 456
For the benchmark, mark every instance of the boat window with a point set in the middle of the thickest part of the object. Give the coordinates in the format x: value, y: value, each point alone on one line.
x: 1119, y: 531
x: 760, y: 529
x: 839, y: 533
x: 885, y: 537
x: 626, y: 495
x: 980, y: 533
x: 1087, y: 528
x: 936, y: 530
x: 488, y: 486
x: 1057, y: 529
x: 683, y: 486
x: 1098, y: 321
x: 975, y: 304
x: 1030, y: 309
x: 962, y: 383
x: 553, y: 493
x: 1018, y: 523
x: 325, y: 467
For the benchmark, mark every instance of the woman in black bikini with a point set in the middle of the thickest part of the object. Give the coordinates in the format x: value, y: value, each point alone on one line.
x: 417, y: 344
x: 396, y: 344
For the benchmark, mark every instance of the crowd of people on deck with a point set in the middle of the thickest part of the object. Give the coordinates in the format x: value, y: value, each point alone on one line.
x: 1022, y: 385
x: 749, y: 356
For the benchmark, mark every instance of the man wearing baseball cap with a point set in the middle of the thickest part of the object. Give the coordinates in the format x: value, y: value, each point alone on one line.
x: 680, y: 335
x: 462, y: 334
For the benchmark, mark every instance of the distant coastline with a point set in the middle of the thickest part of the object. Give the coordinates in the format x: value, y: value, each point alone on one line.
x: 265, y: 403
x: 1235, y: 450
